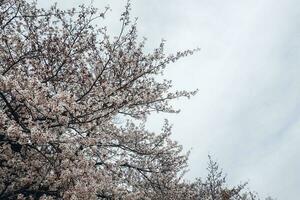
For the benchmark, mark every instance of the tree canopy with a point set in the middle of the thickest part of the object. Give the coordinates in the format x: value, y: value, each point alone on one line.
x: 63, y: 83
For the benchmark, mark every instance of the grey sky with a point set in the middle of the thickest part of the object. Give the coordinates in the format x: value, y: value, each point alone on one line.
x: 246, y: 113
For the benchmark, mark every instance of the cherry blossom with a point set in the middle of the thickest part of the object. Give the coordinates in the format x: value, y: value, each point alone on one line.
x: 64, y: 82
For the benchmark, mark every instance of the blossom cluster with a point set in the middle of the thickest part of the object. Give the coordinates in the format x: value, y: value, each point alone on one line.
x: 63, y: 84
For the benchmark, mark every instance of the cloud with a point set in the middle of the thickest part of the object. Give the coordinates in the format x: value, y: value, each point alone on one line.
x: 247, y: 74
x: 247, y: 111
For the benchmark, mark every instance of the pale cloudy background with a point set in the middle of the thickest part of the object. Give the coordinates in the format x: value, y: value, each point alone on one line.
x: 246, y: 113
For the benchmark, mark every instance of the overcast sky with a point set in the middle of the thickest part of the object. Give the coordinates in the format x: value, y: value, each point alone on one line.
x: 246, y: 113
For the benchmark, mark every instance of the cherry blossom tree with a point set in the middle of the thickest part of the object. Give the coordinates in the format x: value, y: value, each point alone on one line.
x: 64, y: 84
x: 64, y: 81
x: 214, y: 186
